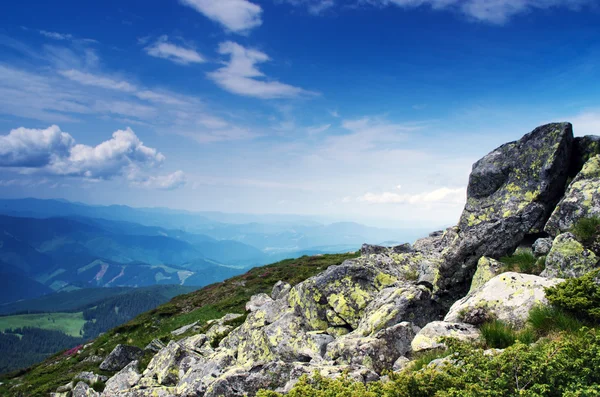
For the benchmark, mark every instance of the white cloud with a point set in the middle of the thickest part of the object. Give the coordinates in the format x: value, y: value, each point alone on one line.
x: 441, y: 195
x: 491, y: 11
x: 241, y: 76
x: 171, y: 181
x: 97, y: 81
x: 162, y: 48
x: 315, y: 7
x: 53, y: 152
x: 238, y: 16
x: 318, y: 129
x: 24, y: 147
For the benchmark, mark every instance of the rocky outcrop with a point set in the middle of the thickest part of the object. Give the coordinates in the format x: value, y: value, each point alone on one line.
x: 433, y: 334
x: 120, y: 357
x: 511, y: 193
x: 584, y: 148
x: 83, y: 390
x: 568, y: 258
x: 507, y: 297
x: 542, y: 247
x: 582, y: 199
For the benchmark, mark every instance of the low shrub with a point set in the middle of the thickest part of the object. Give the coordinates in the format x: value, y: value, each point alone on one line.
x: 579, y: 296
x: 587, y: 230
x: 523, y: 261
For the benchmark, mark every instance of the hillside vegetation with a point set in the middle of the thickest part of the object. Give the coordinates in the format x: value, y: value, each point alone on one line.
x: 209, y: 303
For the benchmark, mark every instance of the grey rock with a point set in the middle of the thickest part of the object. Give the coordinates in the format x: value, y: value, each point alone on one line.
x: 122, y: 380
x: 511, y: 193
x: 90, y: 377
x: 256, y: 301
x: 154, y: 346
x: 431, y: 336
x: 401, y: 363
x: 83, y: 390
x: 160, y: 369
x: 368, y: 249
x: 584, y: 148
x: 542, y: 246
x: 280, y: 290
x: 120, y: 357
x: 93, y: 359
x: 568, y: 258
x: 582, y: 199
x: 487, y: 269
x: 184, y: 329
x: 507, y: 297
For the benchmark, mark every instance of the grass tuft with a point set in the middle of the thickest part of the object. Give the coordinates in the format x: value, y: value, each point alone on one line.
x: 499, y: 335
x: 523, y: 261
x: 586, y: 229
x: 547, y: 319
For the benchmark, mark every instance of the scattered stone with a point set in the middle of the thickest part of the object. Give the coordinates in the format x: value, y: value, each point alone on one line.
x: 83, y: 390
x: 368, y: 249
x: 123, y: 380
x: 93, y: 359
x: 568, y: 258
x: 90, y: 378
x: 401, y: 363
x: 508, y: 297
x: 430, y: 337
x: 120, y: 357
x: 184, y: 329
x: 154, y: 346
x: 542, y: 247
x: 256, y: 301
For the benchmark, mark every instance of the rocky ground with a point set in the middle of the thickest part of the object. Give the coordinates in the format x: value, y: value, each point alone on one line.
x: 372, y: 313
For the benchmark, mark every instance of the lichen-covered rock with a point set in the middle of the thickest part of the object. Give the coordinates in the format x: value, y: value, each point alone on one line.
x: 507, y: 297
x: 487, y: 269
x: 584, y: 148
x: 568, y: 258
x: 122, y: 380
x: 432, y: 335
x: 161, y: 391
x: 582, y: 199
x: 377, y: 352
x: 163, y: 368
x: 542, y: 247
x: 280, y: 290
x: 120, y: 357
x: 83, y: 390
x: 154, y: 346
x: 401, y: 363
x: 511, y: 193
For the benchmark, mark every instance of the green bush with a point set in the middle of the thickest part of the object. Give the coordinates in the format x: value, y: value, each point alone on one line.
x: 578, y: 296
x: 523, y: 261
x: 499, y: 335
x: 586, y: 229
x: 547, y: 319
x: 564, y: 366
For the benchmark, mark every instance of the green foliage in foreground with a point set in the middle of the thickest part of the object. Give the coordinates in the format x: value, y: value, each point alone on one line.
x: 587, y: 231
x: 523, y: 261
x: 208, y: 303
x: 565, y: 365
x: 579, y: 296
x: 499, y: 335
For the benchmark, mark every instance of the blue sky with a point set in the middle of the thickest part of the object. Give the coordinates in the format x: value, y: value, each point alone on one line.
x: 366, y: 110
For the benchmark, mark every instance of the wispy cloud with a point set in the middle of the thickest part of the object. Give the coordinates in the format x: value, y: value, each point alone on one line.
x: 237, y: 16
x: 318, y: 129
x: 241, y: 76
x: 162, y: 48
x: 441, y: 195
x: 315, y: 7
x: 56, y: 36
x: 98, y: 81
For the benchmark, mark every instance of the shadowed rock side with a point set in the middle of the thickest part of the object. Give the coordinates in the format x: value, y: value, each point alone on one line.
x: 370, y: 314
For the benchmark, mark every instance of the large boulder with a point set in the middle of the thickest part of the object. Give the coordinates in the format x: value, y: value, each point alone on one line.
x: 433, y: 334
x: 511, y: 193
x: 120, y: 357
x: 507, y: 297
x: 487, y: 269
x: 584, y: 148
x: 83, y: 390
x: 568, y: 258
x: 582, y: 199
x: 122, y: 380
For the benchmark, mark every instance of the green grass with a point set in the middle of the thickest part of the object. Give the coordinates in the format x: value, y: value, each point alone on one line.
x: 499, y: 335
x: 69, y: 323
x: 547, y: 319
x: 523, y: 261
x: 208, y: 303
x: 422, y: 359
